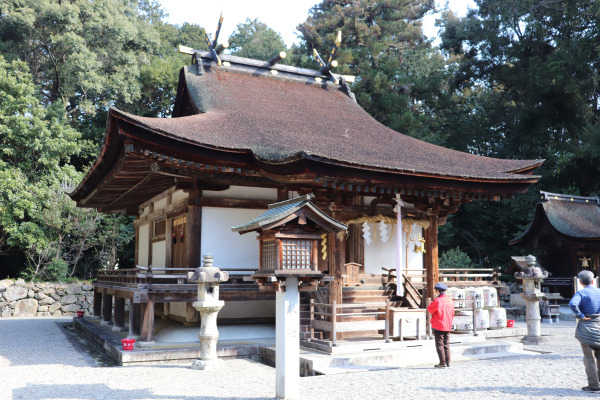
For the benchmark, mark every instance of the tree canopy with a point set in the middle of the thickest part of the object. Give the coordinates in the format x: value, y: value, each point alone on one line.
x: 254, y: 39
x: 512, y: 79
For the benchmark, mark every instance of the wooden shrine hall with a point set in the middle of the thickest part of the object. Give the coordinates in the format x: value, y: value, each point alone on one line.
x: 566, y: 231
x: 245, y: 134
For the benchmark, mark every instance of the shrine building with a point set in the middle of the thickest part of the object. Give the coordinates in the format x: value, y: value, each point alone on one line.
x: 245, y: 134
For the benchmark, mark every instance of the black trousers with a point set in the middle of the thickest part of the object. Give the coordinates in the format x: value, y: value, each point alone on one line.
x: 442, y: 345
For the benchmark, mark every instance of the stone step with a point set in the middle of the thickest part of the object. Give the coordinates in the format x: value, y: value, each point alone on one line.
x: 387, y: 357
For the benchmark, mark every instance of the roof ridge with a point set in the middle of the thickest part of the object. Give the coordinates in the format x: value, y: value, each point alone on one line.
x: 289, y: 72
x: 546, y: 196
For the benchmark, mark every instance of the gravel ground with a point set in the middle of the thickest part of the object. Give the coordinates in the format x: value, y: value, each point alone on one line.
x: 38, y: 361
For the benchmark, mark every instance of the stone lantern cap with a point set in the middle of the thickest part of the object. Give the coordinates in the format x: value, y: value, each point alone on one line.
x: 208, y: 273
x: 532, y: 271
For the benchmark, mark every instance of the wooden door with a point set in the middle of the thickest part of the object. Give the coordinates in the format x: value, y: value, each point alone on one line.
x: 179, y: 243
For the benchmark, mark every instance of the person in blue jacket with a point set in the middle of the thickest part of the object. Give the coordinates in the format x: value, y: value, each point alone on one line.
x: 586, y: 306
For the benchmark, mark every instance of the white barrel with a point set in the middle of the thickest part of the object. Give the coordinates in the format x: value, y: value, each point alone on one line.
x: 497, y: 318
x: 475, y: 294
x: 462, y: 323
x: 490, y: 297
x: 457, y: 294
x: 483, y: 319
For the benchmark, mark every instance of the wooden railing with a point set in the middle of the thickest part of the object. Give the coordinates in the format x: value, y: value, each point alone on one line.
x: 337, y: 318
x: 150, y: 276
x: 469, y: 276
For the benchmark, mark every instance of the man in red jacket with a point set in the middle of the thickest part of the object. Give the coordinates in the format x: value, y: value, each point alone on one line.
x: 442, y: 314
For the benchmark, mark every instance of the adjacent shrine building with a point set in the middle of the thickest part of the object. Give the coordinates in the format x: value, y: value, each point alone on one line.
x: 566, y: 231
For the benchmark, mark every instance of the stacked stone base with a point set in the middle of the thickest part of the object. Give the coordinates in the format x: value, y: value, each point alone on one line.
x: 40, y: 299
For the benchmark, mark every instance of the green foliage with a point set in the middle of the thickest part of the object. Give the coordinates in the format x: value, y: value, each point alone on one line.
x: 525, y: 86
x: 398, y: 74
x: 455, y: 258
x: 254, y: 39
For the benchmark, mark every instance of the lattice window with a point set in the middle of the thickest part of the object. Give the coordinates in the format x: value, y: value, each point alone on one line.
x: 268, y: 255
x: 160, y: 227
x: 296, y: 254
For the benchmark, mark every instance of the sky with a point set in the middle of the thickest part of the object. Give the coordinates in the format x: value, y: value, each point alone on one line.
x: 280, y: 15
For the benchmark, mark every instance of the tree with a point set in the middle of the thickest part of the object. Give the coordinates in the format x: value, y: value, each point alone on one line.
x: 455, y: 258
x: 525, y: 86
x: 35, y: 144
x: 254, y: 39
x: 540, y: 59
x: 84, y: 55
x: 398, y: 74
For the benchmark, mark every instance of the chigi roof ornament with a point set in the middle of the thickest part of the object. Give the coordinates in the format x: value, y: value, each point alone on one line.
x: 215, y: 48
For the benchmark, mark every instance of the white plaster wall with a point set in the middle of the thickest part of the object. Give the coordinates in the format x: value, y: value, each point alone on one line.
x: 178, y: 309
x: 145, y: 211
x: 160, y: 204
x: 235, y: 309
x: 143, y: 241
x: 159, y: 254
x: 178, y: 195
x: 415, y: 260
x: 379, y: 254
x: 243, y: 192
x: 230, y: 250
x: 248, y: 309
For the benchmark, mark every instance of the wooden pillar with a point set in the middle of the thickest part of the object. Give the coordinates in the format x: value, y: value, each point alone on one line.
x: 282, y: 194
x: 137, y: 244
x: 97, y: 310
x: 119, y: 317
x: 150, y: 234
x: 147, y: 328
x: 135, y: 319
x: 431, y: 255
x: 106, y: 309
x: 192, y: 316
x: 336, y: 267
x: 194, y: 229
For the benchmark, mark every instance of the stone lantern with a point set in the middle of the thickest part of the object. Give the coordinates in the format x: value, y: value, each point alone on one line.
x: 209, y: 305
x: 532, y: 278
x: 288, y: 235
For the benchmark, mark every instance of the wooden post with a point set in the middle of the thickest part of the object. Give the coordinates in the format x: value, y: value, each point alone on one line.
x: 474, y: 318
x: 427, y: 317
x: 135, y: 319
x: 194, y: 229
x: 431, y: 255
x: 192, y: 316
x: 97, y: 313
x: 106, y: 309
x: 147, y: 329
x: 312, y: 317
x: 333, y: 322
x: 386, y: 335
x: 336, y: 265
x: 119, y: 317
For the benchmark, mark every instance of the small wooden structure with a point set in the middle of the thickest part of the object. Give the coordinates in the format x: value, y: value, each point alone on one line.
x: 288, y: 234
x: 566, y: 231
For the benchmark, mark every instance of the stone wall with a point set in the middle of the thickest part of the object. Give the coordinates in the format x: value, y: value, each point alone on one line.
x: 40, y: 299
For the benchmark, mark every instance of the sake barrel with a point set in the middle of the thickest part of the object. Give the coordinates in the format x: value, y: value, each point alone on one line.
x: 483, y: 319
x: 457, y: 294
x: 462, y: 323
x: 497, y: 318
x: 490, y: 297
x: 475, y: 294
